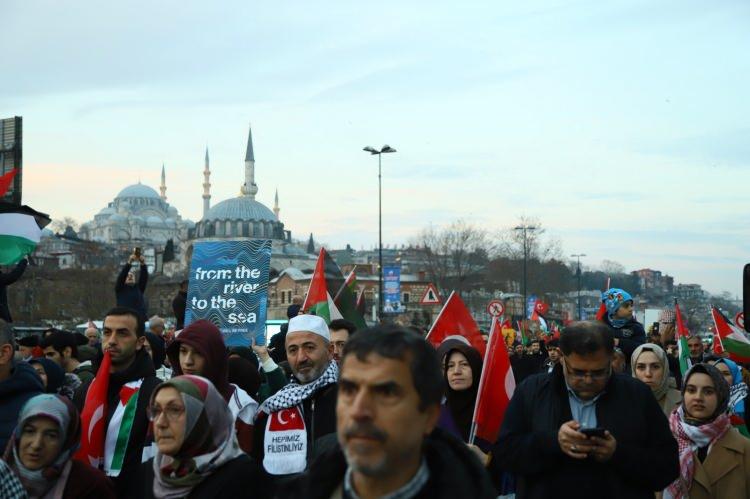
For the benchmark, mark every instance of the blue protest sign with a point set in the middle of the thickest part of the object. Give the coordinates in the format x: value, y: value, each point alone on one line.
x: 392, y: 290
x: 228, y: 286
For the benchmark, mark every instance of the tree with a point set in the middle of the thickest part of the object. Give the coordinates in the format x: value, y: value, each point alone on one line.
x: 454, y: 253
x: 610, y: 267
x: 539, y: 247
x: 59, y: 225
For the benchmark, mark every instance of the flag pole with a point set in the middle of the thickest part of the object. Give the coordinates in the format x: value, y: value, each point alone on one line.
x: 482, y: 381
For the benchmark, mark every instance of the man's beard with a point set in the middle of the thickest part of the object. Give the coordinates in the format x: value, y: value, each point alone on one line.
x: 311, y: 375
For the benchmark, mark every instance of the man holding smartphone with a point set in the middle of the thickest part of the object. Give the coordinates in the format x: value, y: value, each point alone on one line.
x: 128, y: 290
x: 583, y: 431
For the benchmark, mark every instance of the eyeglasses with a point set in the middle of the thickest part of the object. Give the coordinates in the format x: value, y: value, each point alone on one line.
x: 597, y: 375
x: 172, y: 413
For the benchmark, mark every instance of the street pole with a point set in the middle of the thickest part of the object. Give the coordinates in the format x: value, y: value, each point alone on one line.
x: 385, y: 149
x: 380, y: 240
x: 524, y: 229
x: 578, y: 273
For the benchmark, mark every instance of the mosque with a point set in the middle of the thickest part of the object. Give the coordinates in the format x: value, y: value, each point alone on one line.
x: 141, y: 216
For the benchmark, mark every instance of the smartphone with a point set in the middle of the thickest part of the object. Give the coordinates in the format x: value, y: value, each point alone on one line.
x: 593, y: 432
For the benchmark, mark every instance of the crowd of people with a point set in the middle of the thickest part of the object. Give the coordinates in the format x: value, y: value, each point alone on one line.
x: 328, y: 411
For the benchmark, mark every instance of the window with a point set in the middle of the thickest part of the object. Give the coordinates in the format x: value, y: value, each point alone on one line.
x: 405, y: 298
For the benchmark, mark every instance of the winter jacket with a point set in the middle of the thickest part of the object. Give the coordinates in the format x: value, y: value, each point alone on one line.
x: 132, y: 296
x: 630, y: 336
x: 85, y: 482
x: 240, y: 477
x: 454, y: 472
x: 726, y: 470
x: 141, y: 368
x: 319, y: 413
x: 644, y: 462
x: 22, y: 384
x: 5, y: 281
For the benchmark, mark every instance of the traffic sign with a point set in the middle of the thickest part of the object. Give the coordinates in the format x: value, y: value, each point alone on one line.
x: 430, y: 296
x: 495, y: 308
x: 739, y: 319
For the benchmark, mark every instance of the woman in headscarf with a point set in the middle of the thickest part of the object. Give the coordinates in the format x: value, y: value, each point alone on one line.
x: 738, y: 393
x: 199, y: 350
x: 649, y: 364
x: 41, y: 449
x: 54, y: 379
x: 714, y: 457
x: 197, y: 451
x: 462, y: 367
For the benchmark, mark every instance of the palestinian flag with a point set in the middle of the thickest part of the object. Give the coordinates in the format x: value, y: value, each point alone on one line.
x: 93, y: 417
x: 732, y: 338
x: 346, y: 301
x: 20, y: 231
x: 682, y: 336
x: 361, y: 306
x: 120, y: 425
x: 318, y: 300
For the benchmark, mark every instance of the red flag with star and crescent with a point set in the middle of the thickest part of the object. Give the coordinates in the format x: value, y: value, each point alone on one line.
x: 93, y: 417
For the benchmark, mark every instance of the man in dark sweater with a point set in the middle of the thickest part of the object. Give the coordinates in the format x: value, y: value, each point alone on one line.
x: 128, y: 292
x: 387, y: 412
x: 179, y: 304
x: 131, y: 381
x: 585, y: 432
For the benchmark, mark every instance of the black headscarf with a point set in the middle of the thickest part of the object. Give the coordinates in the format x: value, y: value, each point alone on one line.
x: 158, y: 350
x: 244, y: 374
x: 247, y: 354
x: 461, y: 403
x: 55, y: 373
x: 720, y: 385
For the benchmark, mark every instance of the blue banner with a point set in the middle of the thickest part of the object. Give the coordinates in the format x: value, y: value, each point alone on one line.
x: 530, y: 303
x: 392, y: 290
x: 228, y: 286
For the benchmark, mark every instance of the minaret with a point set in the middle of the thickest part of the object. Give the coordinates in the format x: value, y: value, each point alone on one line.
x: 249, y: 188
x: 206, y: 187
x: 163, y: 186
x: 276, y: 208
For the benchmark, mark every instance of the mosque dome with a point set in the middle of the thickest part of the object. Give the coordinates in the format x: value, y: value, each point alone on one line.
x: 106, y: 211
x: 138, y: 191
x: 240, y: 208
x: 154, y: 220
x: 117, y: 218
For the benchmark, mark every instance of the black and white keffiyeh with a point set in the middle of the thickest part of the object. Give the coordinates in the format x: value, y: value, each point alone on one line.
x: 293, y: 394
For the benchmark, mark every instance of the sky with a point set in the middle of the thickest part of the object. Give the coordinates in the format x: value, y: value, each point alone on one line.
x: 620, y: 125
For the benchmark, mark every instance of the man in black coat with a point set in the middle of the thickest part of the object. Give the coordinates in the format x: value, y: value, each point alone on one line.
x: 388, y: 446
x: 128, y: 292
x: 5, y: 281
x: 131, y: 380
x: 179, y: 304
x: 543, y: 438
x: 296, y: 424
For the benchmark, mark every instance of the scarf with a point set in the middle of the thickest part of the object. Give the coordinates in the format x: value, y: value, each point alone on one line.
x: 738, y: 391
x: 285, y: 438
x: 461, y: 402
x: 663, y: 388
x: 209, y: 442
x: 61, y: 411
x: 690, y: 438
x: 294, y: 394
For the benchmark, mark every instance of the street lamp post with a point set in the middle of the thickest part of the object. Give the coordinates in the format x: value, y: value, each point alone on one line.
x: 383, y: 150
x: 578, y: 273
x: 525, y: 229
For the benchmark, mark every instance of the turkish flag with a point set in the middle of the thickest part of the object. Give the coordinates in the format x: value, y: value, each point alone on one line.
x: 456, y: 320
x: 93, y: 417
x: 287, y: 419
x: 496, y: 386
